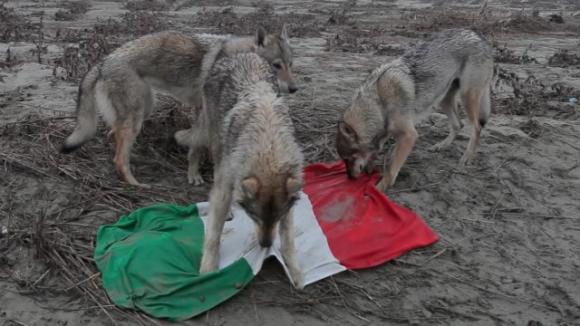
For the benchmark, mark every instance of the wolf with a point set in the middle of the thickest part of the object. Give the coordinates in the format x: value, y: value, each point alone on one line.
x: 120, y: 86
x: 452, y: 65
x: 257, y: 161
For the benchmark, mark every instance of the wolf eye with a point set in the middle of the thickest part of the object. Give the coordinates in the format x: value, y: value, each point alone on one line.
x: 255, y: 219
x: 242, y: 204
x: 291, y: 202
x: 277, y: 65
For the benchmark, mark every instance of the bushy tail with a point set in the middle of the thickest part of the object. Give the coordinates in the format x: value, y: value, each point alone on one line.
x: 485, y: 107
x: 86, y: 126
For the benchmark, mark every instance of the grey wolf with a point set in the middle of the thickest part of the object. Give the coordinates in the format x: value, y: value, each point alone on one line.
x: 120, y: 86
x: 257, y: 162
x: 453, y: 65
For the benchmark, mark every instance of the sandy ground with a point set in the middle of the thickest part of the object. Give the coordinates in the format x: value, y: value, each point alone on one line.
x: 509, y: 224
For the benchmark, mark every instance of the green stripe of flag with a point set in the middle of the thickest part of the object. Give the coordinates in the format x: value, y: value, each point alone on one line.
x: 149, y: 260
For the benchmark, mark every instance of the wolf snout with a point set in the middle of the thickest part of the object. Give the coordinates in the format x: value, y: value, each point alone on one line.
x: 292, y: 89
x: 349, y: 172
x: 361, y: 167
x: 266, y: 242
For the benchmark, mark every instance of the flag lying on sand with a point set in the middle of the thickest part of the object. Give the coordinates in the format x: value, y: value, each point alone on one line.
x: 150, y: 259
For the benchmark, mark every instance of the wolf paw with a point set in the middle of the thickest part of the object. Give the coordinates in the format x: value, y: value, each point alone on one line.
x: 295, y: 274
x: 465, y: 160
x: 384, y: 184
x: 439, y: 146
x: 196, y: 180
x: 182, y: 137
x: 136, y: 183
x: 298, y: 281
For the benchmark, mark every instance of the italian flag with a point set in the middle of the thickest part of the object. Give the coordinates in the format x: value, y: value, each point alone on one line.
x: 149, y: 259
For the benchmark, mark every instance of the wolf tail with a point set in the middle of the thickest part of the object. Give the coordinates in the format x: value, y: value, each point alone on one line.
x: 86, y: 125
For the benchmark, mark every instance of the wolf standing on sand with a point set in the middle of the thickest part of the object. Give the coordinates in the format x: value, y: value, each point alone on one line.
x: 395, y: 96
x: 120, y: 86
x: 257, y: 162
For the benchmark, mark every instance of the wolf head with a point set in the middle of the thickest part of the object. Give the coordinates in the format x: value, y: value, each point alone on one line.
x: 268, y: 201
x: 275, y: 48
x: 358, y: 155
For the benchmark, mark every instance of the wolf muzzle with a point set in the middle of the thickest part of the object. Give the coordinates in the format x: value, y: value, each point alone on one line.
x: 266, y: 242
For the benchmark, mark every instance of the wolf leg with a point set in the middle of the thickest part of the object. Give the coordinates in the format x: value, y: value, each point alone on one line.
x: 449, y: 106
x: 405, y: 137
x: 472, y: 106
x: 286, y: 230
x: 219, y: 207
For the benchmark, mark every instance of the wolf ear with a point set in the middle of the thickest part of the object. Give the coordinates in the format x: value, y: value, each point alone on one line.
x: 260, y: 36
x: 284, y: 33
x: 293, y: 185
x: 346, y: 130
x: 250, y: 187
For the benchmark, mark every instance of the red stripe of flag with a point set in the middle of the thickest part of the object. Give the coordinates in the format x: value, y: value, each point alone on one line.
x: 363, y: 227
